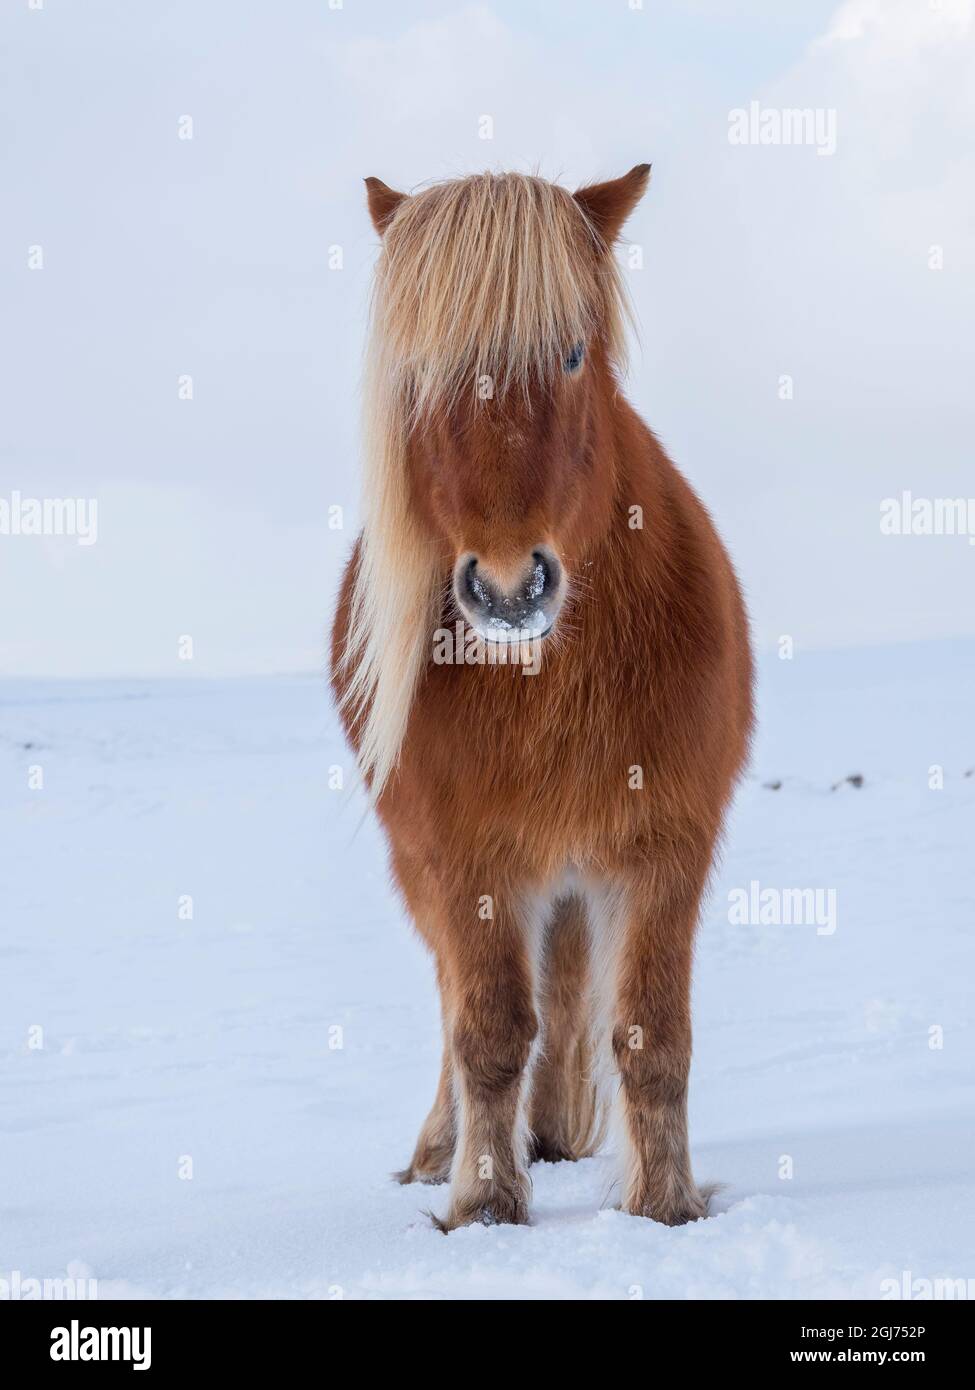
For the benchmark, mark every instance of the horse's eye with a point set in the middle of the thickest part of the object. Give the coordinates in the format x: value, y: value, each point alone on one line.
x: 574, y: 360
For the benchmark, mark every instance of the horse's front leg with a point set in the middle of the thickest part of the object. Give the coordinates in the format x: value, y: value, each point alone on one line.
x: 488, y: 975
x: 651, y: 1039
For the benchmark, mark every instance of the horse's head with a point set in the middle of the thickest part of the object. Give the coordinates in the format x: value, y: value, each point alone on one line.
x: 497, y: 328
x: 498, y: 324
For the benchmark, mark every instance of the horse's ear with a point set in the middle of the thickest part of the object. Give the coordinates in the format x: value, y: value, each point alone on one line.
x: 608, y: 205
x: 383, y: 202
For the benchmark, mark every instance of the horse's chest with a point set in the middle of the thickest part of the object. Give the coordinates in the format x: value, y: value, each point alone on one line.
x: 537, y: 757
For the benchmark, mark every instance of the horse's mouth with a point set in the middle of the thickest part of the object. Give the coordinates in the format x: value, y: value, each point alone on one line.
x: 503, y: 633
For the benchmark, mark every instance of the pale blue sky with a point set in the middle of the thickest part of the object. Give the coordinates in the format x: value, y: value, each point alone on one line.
x: 210, y: 257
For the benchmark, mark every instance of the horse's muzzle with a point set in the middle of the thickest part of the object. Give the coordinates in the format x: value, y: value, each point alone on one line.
x: 510, y: 612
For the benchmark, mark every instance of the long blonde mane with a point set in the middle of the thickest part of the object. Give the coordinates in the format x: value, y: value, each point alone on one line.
x: 491, y: 278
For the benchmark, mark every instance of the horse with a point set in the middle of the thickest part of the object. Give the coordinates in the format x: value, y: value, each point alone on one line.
x: 552, y: 824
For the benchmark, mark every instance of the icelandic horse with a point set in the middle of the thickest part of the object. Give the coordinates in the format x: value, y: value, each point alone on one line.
x: 551, y: 822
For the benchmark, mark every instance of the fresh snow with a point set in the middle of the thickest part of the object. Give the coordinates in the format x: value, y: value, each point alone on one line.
x: 286, y: 1039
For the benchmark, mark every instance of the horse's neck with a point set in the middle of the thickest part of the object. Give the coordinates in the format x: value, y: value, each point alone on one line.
x: 637, y: 467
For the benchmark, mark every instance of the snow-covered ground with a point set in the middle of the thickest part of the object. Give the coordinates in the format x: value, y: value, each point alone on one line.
x: 281, y: 1044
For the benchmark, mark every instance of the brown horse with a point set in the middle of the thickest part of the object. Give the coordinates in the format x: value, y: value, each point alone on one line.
x: 553, y: 784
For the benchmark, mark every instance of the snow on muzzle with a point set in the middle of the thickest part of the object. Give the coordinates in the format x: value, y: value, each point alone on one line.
x: 510, y: 611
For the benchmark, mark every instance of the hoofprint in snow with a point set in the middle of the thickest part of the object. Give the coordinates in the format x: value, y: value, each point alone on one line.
x: 218, y: 1035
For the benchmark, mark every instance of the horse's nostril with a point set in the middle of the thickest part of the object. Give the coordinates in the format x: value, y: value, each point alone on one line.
x: 544, y: 575
x: 476, y: 588
x: 538, y: 582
